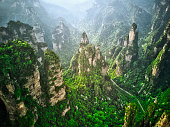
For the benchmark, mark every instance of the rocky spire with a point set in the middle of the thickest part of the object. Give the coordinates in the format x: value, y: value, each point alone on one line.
x: 88, y: 58
x: 133, y: 35
x: 84, y: 38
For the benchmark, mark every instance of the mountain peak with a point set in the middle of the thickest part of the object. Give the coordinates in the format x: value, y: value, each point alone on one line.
x: 133, y: 34
x: 134, y: 26
x: 84, y: 38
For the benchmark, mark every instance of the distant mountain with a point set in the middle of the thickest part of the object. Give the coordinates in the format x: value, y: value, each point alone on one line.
x: 43, y: 17
x: 29, y: 12
x: 64, y: 40
x: 109, y: 20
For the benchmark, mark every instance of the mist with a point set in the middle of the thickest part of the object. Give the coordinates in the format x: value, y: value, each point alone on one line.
x: 75, y: 8
x: 84, y: 63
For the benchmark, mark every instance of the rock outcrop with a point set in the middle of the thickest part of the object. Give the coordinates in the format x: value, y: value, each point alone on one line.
x: 89, y: 66
x: 124, y: 56
x: 30, y: 74
x: 64, y: 41
x: 164, y: 121
x: 108, y: 21
x: 22, y: 86
x: 161, y: 17
x: 60, y: 37
x: 130, y: 114
x: 88, y: 59
x: 18, y: 30
x: 55, y: 85
x: 19, y: 78
x: 158, y: 71
x: 39, y: 33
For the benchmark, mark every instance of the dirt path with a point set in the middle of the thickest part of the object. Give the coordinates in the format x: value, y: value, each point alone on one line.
x: 129, y: 94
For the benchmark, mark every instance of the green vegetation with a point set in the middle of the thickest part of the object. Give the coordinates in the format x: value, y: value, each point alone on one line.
x: 130, y: 114
x: 51, y: 56
x: 89, y: 105
x: 88, y: 96
x: 18, y: 61
x: 135, y: 91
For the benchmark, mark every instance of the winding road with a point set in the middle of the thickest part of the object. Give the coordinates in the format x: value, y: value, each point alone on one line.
x: 129, y: 94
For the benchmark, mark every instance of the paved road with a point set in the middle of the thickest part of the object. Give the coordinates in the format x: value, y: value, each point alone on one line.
x: 129, y: 94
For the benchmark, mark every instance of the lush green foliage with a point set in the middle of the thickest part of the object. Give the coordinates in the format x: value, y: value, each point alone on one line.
x: 87, y: 107
x: 17, y: 60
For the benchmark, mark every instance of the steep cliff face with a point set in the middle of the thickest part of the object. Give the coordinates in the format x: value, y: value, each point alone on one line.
x: 157, y: 72
x: 61, y: 37
x: 90, y: 69
x: 18, y: 30
x: 19, y: 79
x: 88, y: 59
x: 159, y: 22
x: 64, y: 40
x: 29, y: 12
x: 125, y: 55
x: 160, y: 18
x: 55, y: 85
x: 39, y: 33
x: 25, y: 91
x: 155, y: 90
x: 31, y: 75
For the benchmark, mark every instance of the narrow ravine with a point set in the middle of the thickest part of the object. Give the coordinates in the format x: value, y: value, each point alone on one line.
x: 129, y: 94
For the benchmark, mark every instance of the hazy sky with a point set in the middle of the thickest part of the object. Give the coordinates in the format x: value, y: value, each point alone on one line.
x: 67, y: 2
x: 75, y: 6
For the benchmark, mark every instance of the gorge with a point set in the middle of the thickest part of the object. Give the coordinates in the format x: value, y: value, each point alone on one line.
x: 99, y: 63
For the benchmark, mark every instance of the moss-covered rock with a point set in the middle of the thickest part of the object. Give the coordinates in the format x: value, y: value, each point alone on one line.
x: 17, y: 30
x: 55, y: 88
x: 130, y: 114
x: 127, y: 55
x: 20, y: 31
x: 19, y: 79
x: 164, y: 120
x: 159, y: 68
x: 88, y: 59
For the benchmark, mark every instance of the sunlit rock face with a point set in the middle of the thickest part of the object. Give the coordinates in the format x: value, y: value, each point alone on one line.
x: 34, y: 86
x: 164, y: 121
x: 88, y: 58
x: 132, y: 51
x: 123, y: 56
x: 133, y: 35
x: 23, y: 83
